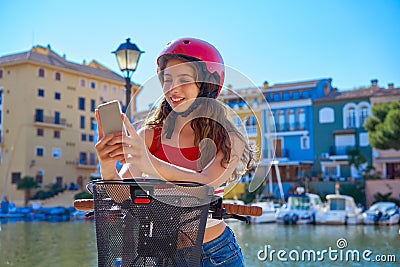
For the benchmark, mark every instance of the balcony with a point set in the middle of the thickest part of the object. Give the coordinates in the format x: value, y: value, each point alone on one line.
x: 339, y: 152
x: 286, y: 127
x: 86, y: 164
x: 48, y: 121
x: 251, y: 130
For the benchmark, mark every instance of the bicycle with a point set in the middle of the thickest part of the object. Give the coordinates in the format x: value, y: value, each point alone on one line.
x: 160, y: 224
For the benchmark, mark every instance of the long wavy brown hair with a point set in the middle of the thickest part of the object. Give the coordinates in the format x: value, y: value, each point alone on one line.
x: 212, y: 124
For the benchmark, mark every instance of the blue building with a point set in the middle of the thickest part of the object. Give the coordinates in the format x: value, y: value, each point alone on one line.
x: 339, y: 127
x: 289, y: 106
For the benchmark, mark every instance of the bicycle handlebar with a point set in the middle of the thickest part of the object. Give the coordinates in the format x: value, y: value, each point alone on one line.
x: 244, y: 210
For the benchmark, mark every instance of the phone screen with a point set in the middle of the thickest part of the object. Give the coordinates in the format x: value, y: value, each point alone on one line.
x: 110, y: 117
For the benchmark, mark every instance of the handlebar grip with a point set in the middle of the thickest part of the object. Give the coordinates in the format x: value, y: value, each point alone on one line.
x: 88, y: 204
x: 242, y: 209
x: 84, y: 204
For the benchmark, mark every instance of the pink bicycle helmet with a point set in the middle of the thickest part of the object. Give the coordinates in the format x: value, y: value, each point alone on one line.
x: 200, y: 50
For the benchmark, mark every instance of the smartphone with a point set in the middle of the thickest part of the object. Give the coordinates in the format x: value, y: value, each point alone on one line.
x: 110, y: 117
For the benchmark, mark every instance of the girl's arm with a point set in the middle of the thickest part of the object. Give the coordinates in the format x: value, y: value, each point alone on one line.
x: 141, y: 159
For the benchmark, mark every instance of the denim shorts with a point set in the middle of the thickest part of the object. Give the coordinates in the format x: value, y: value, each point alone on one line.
x: 222, y: 251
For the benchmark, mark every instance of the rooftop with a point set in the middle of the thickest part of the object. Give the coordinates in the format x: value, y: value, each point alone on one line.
x: 46, y: 56
x: 372, y: 91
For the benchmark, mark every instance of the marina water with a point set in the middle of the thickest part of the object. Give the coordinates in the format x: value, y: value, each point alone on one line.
x: 69, y: 244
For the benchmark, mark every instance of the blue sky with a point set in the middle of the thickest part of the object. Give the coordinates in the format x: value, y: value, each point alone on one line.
x: 350, y: 41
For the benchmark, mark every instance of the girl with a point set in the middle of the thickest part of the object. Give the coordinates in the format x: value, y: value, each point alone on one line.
x: 189, y: 138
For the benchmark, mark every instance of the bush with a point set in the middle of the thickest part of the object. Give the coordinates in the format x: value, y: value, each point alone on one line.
x: 41, y: 195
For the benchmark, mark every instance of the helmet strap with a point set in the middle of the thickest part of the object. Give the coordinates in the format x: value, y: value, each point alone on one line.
x: 173, y: 115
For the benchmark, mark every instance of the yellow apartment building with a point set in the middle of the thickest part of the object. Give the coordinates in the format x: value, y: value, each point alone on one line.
x: 47, y: 118
x: 246, y: 104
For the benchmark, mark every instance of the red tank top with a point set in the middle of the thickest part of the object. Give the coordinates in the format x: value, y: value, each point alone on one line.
x: 184, y: 157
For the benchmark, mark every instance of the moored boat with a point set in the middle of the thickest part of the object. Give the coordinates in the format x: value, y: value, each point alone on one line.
x: 339, y: 209
x: 382, y: 213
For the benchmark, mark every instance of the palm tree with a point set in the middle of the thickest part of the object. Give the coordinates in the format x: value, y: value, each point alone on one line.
x: 356, y: 158
x: 27, y: 183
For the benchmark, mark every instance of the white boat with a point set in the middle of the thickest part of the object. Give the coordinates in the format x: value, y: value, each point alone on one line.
x: 383, y: 213
x: 339, y: 209
x: 268, y: 211
x: 300, y: 209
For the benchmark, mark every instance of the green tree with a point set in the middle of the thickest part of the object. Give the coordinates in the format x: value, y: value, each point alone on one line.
x: 356, y: 158
x: 27, y: 183
x: 384, y: 126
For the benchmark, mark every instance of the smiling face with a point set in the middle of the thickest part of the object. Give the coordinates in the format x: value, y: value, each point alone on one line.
x: 179, y: 84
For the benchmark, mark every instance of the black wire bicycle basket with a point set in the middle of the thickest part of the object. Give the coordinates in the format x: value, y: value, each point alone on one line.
x: 150, y: 222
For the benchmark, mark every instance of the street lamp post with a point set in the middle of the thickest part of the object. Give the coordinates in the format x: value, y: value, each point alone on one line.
x: 128, y: 55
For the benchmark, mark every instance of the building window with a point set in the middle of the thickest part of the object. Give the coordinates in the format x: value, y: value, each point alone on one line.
x: 92, y: 123
x: 326, y: 115
x: 92, y: 159
x: 344, y: 142
x: 56, y: 153
x: 82, y: 158
x: 81, y: 103
x: 92, y: 105
x: 251, y: 125
x: 40, y: 92
x: 57, y: 134
x: 1, y: 74
x: 277, y: 145
x: 364, y: 139
x: 93, y: 85
x: 349, y: 116
x: 39, y: 151
x: 276, y: 97
x: 363, y: 115
x: 82, y: 83
x: 41, y: 73
x: 83, y: 137
x: 59, y: 181
x: 39, y: 115
x: 57, y: 96
x: 301, y: 117
x: 105, y: 87
x: 82, y: 122
x: 114, y: 89
x: 15, y: 177
x: 91, y: 138
x: 306, y: 94
x: 286, y: 96
x: 57, y: 119
x: 351, y: 119
x: 295, y: 95
x: 281, y: 120
x: 331, y: 171
x: 291, y: 117
x: 57, y: 76
x: 40, y: 132
x: 305, y: 142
